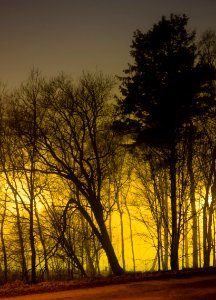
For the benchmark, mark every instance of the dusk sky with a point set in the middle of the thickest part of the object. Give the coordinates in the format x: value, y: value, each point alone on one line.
x: 76, y: 35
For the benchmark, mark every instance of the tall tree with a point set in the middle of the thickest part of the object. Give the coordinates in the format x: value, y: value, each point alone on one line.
x: 207, y: 154
x: 75, y: 142
x: 161, y: 94
x: 24, y: 114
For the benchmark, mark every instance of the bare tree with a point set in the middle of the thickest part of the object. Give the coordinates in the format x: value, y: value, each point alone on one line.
x: 74, y: 141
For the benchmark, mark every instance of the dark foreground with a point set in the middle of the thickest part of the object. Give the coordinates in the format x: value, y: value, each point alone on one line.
x: 186, y: 287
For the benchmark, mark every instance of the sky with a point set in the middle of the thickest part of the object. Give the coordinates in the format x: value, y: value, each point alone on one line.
x: 72, y: 36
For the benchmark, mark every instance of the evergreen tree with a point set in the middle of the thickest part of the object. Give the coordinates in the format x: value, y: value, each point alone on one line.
x: 162, y: 92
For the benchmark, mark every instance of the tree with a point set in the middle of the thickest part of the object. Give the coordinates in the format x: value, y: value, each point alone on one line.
x: 161, y: 95
x: 23, y: 118
x: 75, y: 143
x: 153, y: 194
x: 207, y: 53
x: 207, y: 47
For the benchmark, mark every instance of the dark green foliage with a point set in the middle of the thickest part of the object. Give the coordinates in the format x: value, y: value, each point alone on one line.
x: 162, y: 89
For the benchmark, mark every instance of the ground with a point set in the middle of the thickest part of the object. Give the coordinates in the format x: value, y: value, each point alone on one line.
x: 188, y: 285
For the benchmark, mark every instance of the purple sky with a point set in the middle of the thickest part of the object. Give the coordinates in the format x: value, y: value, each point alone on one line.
x: 76, y: 35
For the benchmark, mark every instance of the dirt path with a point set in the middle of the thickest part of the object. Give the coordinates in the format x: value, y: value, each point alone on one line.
x: 194, y: 288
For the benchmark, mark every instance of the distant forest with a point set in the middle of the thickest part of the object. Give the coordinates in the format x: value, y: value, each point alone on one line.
x: 87, y: 176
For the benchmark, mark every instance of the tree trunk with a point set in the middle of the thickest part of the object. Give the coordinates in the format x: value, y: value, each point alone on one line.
x: 131, y: 236
x: 121, y: 231
x: 207, y: 217
x: 175, y: 234
x: 3, y: 245
x: 43, y: 243
x: 102, y: 234
x: 106, y: 243
x: 31, y: 220
x: 32, y: 242
x: 214, y: 233
x: 88, y: 248
x: 21, y: 241
x: 192, y: 200
x: 166, y: 224
x: 25, y: 276
x: 66, y: 243
x: 186, y: 248
x: 71, y: 254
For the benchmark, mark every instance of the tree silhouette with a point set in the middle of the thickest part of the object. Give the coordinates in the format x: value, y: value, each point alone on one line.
x: 75, y: 143
x: 162, y: 93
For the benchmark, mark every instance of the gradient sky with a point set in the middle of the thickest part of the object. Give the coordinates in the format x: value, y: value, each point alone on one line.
x: 76, y: 35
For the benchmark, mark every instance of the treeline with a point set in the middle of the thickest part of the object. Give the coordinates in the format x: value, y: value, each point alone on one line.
x: 73, y: 161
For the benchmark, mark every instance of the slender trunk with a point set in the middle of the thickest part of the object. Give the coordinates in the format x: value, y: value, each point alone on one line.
x: 66, y: 242
x: 209, y: 234
x: 159, y: 244
x: 32, y: 244
x: 166, y: 226
x: 21, y: 241
x: 187, y: 247
x: 131, y: 236
x: 122, y: 240
x: 32, y: 193
x: 175, y: 234
x: 210, y: 222
x: 183, y: 244
x: 25, y: 276
x: 97, y: 256
x: 110, y: 221
x: 152, y: 269
x: 207, y: 219
x: 192, y: 200
x: 46, y: 267
x: 71, y: 254
x: 185, y: 254
x: 211, y: 218
x: 121, y: 231
x: 31, y: 221
x: 199, y: 240
x: 205, y: 246
x: 194, y: 238
x: 88, y: 248
x: 3, y: 245
x: 214, y: 233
